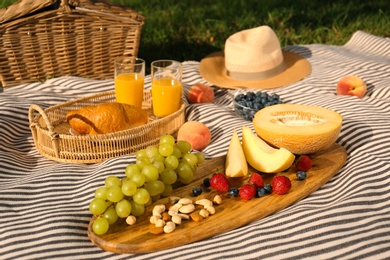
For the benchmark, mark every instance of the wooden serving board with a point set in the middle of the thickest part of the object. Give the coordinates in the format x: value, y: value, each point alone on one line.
x: 232, y: 213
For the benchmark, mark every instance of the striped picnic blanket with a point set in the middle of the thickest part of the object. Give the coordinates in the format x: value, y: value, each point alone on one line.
x: 44, y: 204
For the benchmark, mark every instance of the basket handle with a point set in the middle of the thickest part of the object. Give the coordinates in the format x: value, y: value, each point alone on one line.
x: 34, y: 124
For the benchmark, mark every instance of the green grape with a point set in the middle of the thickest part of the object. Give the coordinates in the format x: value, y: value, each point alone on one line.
x: 140, y: 153
x: 167, y: 191
x: 114, y: 194
x: 201, y: 157
x: 165, y: 149
x: 123, y: 208
x: 129, y: 188
x: 151, y: 151
x: 167, y: 139
x: 110, y: 215
x: 132, y: 169
x: 155, y: 187
x: 168, y: 176
x: 141, y: 196
x: 101, y: 192
x: 142, y: 162
x: 100, y: 226
x: 112, y: 181
x: 97, y: 206
x: 190, y: 158
x: 176, y: 152
x: 137, y: 209
x: 138, y: 178
x: 194, y: 168
x: 171, y: 162
x: 155, y: 198
x: 159, y: 165
x: 158, y: 157
x: 185, y: 180
x: 184, y: 171
x: 150, y: 172
x: 184, y: 146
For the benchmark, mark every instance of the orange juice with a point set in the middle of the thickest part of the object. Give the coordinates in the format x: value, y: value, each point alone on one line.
x: 129, y: 89
x: 166, y: 95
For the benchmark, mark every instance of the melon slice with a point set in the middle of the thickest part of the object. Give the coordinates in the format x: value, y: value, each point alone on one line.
x: 263, y: 157
x: 301, y: 129
x: 235, y: 164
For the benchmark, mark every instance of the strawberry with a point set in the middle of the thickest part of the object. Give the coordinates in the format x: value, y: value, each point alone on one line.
x: 256, y: 180
x: 247, y: 191
x: 219, y: 182
x: 303, y: 163
x: 281, y: 184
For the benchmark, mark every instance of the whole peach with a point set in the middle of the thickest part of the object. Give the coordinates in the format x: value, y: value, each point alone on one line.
x: 351, y: 85
x: 196, y: 133
x: 200, y: 93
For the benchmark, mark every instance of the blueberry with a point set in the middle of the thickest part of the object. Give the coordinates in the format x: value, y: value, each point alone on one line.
x: 197, y: 191
x: 260, y: 192
x: 268, y: 188
x: 233, y: 192
x: 206, y: 182
x: 301, y: 175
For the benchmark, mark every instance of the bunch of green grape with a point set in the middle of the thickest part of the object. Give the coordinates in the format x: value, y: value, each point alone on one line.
x: 156, y: 169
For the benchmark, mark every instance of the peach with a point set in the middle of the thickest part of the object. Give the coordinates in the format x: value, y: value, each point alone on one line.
x: 351, y: 85
x: 200, y: 93
x: 196, y: 133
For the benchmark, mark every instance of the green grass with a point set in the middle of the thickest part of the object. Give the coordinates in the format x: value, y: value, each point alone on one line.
x: 191, y: 29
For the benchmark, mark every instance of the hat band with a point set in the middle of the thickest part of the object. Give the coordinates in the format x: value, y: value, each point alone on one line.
x: 260, y: 75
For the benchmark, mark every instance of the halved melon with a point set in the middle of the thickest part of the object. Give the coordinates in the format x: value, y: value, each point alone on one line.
x: 301, y: 129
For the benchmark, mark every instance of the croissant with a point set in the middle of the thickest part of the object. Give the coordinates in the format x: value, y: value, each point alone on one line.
x: 106, y: 118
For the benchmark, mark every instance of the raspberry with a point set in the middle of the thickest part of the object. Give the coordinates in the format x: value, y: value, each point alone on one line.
x: 303, y: 163
x: 256, y: 180
x: 281, y: 184
x: 247, y: 191
x: 219, y: 182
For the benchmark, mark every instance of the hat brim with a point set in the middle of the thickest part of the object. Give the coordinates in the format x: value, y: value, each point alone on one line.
x: 212, y: 69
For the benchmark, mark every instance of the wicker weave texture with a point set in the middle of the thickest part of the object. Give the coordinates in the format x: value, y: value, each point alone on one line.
x: 67, y: 38
x: 53, y: 139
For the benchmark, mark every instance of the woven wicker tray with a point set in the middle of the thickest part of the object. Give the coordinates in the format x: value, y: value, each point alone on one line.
x: 53, y: 139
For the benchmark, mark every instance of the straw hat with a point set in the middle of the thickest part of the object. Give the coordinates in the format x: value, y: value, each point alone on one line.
x: 253, y: 58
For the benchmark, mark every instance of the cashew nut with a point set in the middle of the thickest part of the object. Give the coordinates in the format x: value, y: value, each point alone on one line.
x: 131, y: 220
x: 159, y: 223
x: 178, y: 217
x: 169, y: 227
x: 211, y: 210
x: 217, y: 199
x: 173, y: 199
x: 205, y: 202
x: 158, y: 210
x: 175, y: 209
x: 187, y: 208
x: 185, y: 201
x: 204, y: 213
x: 153, y: 219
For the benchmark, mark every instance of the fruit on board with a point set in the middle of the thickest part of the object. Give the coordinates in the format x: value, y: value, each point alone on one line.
x: 303, y: 163
x: 263, y: 157
x: 247, y: 191
x: 200, y: 93
x: 301, y: 129
x: 196, y: 133
x: 281, y: 184
x: 256, y: 180
x: 235, y: 164
x: 219, y: 182
x: 351, y: 85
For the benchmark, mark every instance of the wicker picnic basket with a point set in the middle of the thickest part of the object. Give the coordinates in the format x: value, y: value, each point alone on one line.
x: 41, y: 39
x: 53, y: 139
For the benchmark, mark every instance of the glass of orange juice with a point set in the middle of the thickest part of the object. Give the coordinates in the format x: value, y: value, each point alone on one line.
x: 129, y: 80
x: 166, y: 87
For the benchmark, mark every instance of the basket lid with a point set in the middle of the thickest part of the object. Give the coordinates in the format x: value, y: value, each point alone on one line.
x: 27, y: 7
